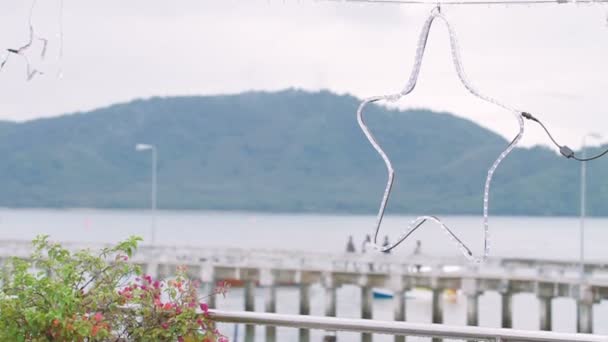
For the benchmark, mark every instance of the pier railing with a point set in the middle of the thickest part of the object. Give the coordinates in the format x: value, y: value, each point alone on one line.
x: 436, y: 331
x: 270, y: 270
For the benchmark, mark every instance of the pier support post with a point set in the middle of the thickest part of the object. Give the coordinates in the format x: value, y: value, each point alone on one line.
x: 366, y: 309
x: 506, y: 296
x: 271, y: 307
x: 249, y: 295
x: 545, y: 312
x: 585, y: 317
x: 437, y: 306
x: 267, y: 280
x: 152, y: 269
x: 399, y: 303
x: 304, y: 310
x: 163, y: 271
x: 249, y: 306
x: 585, y: 310
x: 507, y: 309
x: 207, y: 277
x: 545, y: 291
x: 397, y: 286
x: 437, y: 311
x: 331, y: 300
x: 212, y: 299
x: 471, y: 291
x: 473, y: 309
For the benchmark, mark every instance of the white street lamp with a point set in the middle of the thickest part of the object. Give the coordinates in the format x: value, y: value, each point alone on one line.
x: 146, y: 147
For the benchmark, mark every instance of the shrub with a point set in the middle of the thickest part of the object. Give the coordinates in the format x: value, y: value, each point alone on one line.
x: 58, y: 295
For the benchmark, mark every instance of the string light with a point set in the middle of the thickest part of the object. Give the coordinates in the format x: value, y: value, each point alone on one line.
x: 31, y: 71
x: 411, y: 84
x: 475, y: 2
x: 60, y: 55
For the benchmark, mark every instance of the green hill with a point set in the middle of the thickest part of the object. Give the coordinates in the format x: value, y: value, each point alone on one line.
x: 286, y: 151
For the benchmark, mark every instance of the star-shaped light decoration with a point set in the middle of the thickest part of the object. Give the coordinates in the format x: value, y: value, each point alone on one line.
x: 411, y: 84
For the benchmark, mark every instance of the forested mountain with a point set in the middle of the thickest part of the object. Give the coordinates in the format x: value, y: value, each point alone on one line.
x: 290, y: 151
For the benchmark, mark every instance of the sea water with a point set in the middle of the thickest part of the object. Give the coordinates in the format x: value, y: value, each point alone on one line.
x: 535, y: 237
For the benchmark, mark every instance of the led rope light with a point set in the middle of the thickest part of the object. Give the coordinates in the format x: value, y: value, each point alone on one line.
x: 411, y: 84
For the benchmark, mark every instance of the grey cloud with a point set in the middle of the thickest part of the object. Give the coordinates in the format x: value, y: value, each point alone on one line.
x: 545, y: 59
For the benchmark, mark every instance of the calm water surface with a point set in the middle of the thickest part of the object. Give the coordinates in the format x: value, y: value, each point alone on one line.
x: 546, y: 237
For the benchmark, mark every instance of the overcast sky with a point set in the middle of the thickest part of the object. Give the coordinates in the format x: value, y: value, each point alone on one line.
x: 548, y: 60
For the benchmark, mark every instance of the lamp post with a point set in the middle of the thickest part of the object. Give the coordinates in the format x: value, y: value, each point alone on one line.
x: 584, y: 203
x: 152, y: 148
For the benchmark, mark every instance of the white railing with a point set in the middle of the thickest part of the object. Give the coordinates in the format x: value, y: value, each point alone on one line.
x: 399, y: 328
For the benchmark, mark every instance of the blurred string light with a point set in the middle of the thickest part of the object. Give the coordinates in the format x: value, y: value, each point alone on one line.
x: 35, y: 41
x: 411, y: 84
x: 477, y: 2
x: 474, y: 2
x: 60, y: 55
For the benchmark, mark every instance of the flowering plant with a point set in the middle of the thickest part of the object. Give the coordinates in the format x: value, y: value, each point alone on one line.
x: 58, y: 295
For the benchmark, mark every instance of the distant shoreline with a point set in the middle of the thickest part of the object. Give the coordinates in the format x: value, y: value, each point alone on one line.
x: 286, y: 152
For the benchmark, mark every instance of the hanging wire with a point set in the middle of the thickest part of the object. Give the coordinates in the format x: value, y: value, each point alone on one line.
x: 411, y: 84
x: 563, y: 149
x: 475, y: 2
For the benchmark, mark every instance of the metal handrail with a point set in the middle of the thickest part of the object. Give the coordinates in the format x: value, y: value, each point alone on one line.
x: 398, y: 328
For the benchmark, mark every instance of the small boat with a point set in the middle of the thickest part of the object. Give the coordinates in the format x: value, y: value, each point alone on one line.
x: 386, y: 294
x: 382, y: 294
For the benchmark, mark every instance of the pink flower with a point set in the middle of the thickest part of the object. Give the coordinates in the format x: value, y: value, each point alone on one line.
x: 222, y: 339
x: 181, y: 339
x: 205, y: 308
x: 156, y: 284
x: 148, y: 279
x: 98, y: 317
x: 165, y: 326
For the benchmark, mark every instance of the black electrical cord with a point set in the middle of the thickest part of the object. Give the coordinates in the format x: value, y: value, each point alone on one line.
x: 563, y: 149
